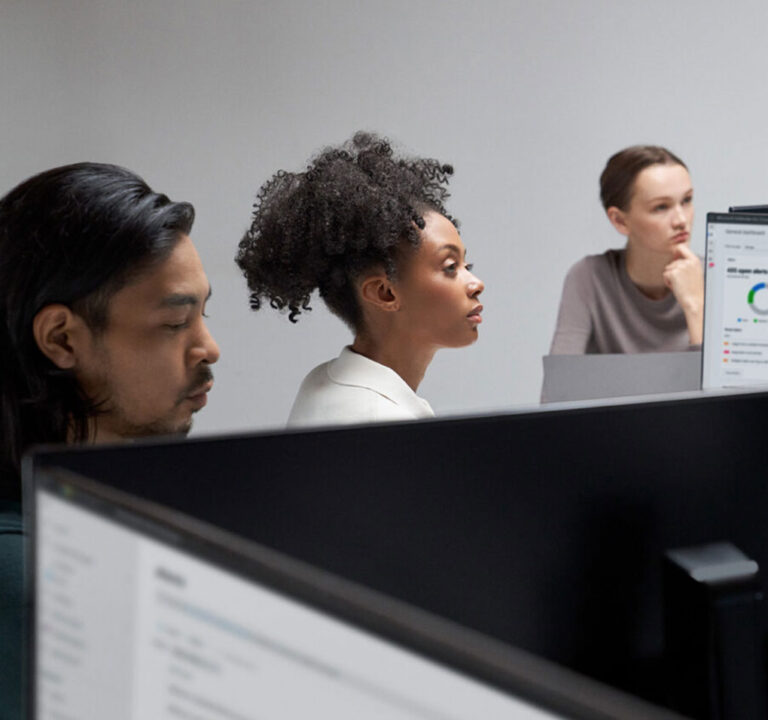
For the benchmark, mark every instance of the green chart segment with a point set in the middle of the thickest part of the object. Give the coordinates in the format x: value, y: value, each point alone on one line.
x: 751, y: 299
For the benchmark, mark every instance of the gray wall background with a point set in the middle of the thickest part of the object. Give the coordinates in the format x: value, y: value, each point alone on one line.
x: 207, y: 98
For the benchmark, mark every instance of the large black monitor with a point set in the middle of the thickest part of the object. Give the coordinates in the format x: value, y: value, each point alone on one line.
x: 141, y: 612
x: 542, y: 529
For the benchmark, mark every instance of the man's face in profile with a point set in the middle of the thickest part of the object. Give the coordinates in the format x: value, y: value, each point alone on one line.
x: 150, y: 366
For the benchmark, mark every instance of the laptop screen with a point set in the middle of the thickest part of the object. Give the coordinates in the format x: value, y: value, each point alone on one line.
x: 735, y: 348
x: 139, y: 618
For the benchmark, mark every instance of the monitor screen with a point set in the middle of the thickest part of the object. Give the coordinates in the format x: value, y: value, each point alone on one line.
x: 544, y: 530
x: 151, y: 615
x: 735, y: 348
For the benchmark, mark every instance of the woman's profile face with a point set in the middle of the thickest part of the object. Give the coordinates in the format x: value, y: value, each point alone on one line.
x: 437, y: 291
x: 660, y: 213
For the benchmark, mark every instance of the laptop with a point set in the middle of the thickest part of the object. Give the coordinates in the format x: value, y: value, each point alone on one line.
x: 141, y: 612
x: 735, y: 345
x: 599, y: 376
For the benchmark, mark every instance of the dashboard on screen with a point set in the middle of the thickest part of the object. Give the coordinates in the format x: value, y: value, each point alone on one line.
x: 132, y: 623
x: 735, y: 348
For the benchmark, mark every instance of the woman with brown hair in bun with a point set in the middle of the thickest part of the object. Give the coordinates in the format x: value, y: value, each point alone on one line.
x: 369, y: 230
x: 649, y: 295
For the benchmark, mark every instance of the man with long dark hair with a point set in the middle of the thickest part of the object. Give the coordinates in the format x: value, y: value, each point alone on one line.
x: 102, y: 336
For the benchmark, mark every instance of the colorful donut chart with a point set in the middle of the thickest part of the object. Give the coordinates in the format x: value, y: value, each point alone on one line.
x: 751, y: 299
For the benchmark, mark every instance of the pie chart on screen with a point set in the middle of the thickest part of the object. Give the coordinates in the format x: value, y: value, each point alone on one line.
x: 758, y: 299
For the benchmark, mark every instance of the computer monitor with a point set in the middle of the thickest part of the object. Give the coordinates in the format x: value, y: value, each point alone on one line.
x: 735, y: 347
x: 544, y: 529
x: 592, y: 376
x: 749, y: 209
x: 141, y: 612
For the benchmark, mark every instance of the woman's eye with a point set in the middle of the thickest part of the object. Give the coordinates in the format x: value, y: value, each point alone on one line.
x: 450, y: 269
x: 688, y: 200
x: 660, y: 207
x: 176, y: 326
x: 470, y: 267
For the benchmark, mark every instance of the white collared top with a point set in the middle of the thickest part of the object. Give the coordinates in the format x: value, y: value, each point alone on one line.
x: 355, y: 389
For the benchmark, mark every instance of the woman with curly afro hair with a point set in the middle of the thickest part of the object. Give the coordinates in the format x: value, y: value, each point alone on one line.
x: 369, y: 231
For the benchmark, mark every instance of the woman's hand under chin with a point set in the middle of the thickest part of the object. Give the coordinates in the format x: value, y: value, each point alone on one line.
x: 684, y: 276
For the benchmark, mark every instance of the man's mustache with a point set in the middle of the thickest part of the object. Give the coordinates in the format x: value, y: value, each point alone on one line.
x: 203, y: 376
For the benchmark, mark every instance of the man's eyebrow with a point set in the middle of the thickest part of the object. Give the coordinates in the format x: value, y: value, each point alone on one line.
x: 182, y: 299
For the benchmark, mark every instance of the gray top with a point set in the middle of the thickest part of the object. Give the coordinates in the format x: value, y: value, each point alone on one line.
x: 603, y: 311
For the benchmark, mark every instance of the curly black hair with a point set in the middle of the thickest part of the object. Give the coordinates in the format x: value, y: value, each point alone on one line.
x: 351, y: 210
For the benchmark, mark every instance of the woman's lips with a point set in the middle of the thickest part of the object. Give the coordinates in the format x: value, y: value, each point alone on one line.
x: 475, y: 315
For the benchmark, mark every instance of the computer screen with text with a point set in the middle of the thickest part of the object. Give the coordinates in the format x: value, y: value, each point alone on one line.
x: 735, y: 349
x: 133, y: 621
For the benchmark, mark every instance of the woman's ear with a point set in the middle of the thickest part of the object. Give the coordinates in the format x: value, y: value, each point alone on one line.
x: 377, y: 291
x: 618, y: 219
x: 57, y: 332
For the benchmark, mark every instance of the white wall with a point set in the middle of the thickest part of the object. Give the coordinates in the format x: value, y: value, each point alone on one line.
x: 207, y: 98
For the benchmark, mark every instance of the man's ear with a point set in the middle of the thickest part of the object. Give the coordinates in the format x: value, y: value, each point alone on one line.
x: 59, y: 333
x: 378, y: 291
x: 618, y: 220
